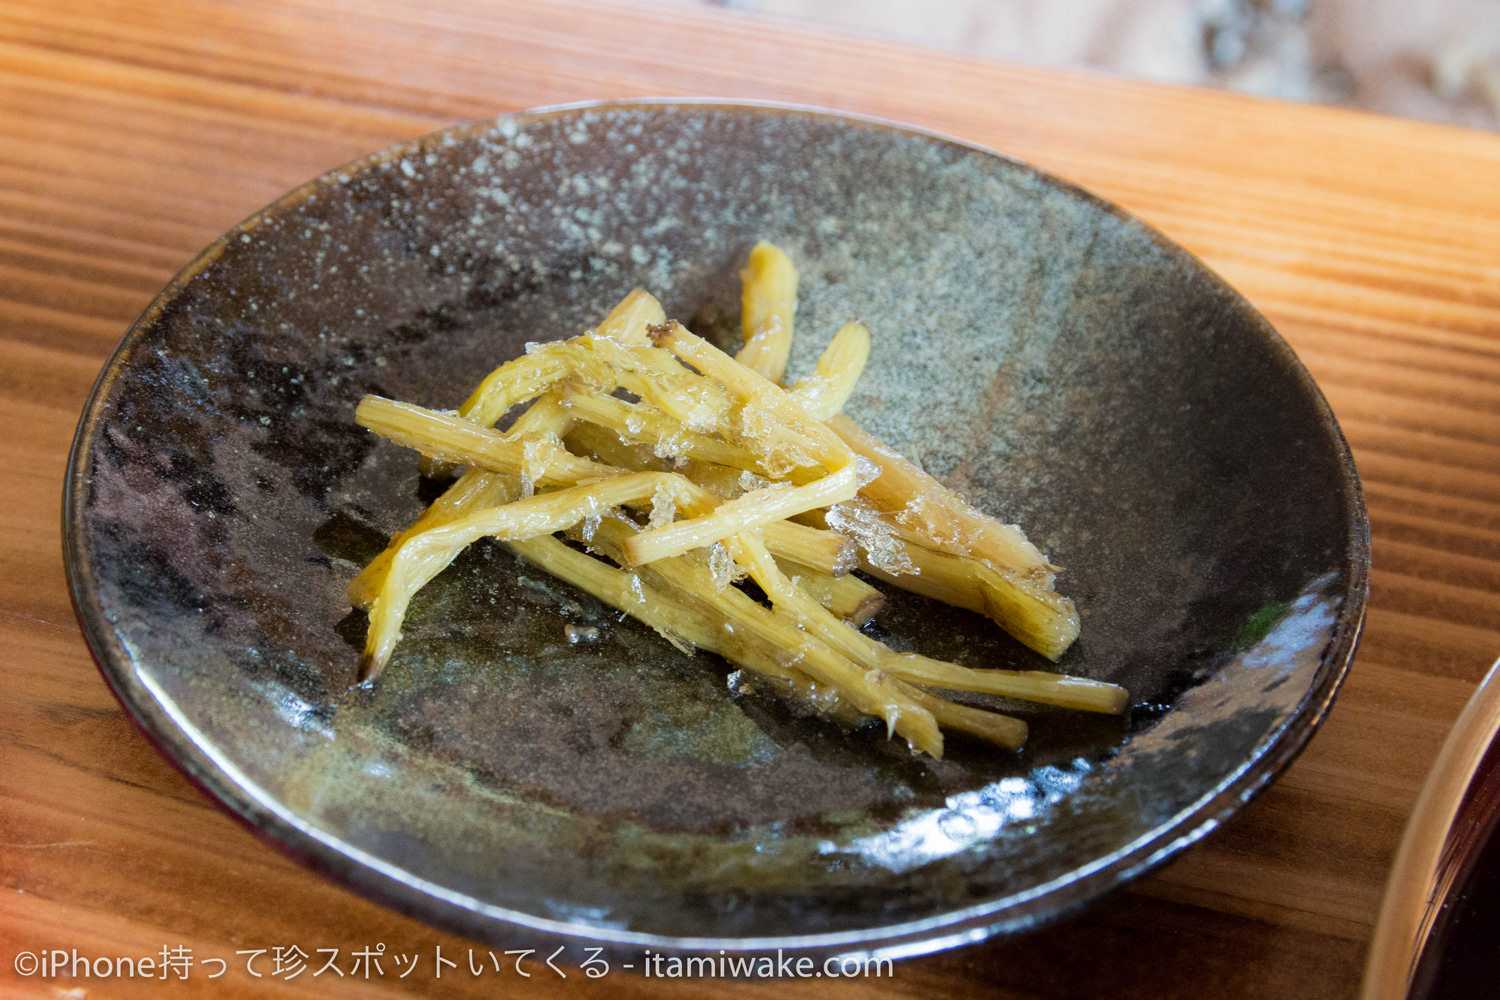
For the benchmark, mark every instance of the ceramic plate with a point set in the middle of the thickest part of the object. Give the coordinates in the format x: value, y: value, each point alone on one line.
x: 1058, y: 361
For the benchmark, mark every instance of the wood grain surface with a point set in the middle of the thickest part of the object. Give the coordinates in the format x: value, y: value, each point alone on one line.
x: 132, y: 133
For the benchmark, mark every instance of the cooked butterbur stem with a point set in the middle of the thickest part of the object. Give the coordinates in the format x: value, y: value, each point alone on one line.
x: 517, y: 381
x: 546, y: 416
x: 948, y: 521
x: 681, y: 618
x: 847, y: 641
x: 683, y: 624
x: 823, y: 551
x: 849, y: 597
x: 476, y: 488
x: 607, y: 364
x: 439, y: 435
x: 628, y: 322
x: 454, y: 439
x: 1024, y: 606
x: 760, y: 506
x: 1002, y: 730
x: 640, y: 423
x: 824, y: 392
x: 1040, y: 618
x: 753, y: 510
x: 723, y: 481
x: 661, y: 380
x: 818, y: 548
x: 768, y: 305
x: 678, y: 615
x: 1024, y: 685
x: 748, y: 549
x: 792, y: 601
x: 1054, y: 689
x: 422, y: 555
x: 870, y: 691
x: 605, y: 446
x: 754, y: 390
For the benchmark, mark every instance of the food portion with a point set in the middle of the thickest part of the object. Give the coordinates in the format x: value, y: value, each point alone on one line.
x: 696, y: 492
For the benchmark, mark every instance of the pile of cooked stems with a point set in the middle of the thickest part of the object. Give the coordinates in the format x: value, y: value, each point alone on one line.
x: 677, y: 470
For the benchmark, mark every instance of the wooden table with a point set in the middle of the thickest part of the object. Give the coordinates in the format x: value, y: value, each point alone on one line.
x: 131, y: 133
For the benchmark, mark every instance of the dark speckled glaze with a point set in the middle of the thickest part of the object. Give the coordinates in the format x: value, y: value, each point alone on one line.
x: 1057, y: 360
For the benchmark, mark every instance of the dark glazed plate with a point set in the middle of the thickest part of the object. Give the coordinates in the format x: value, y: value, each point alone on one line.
x: 1060, y: 362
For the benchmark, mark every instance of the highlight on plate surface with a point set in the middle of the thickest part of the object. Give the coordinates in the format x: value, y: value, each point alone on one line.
x: 664, y: 477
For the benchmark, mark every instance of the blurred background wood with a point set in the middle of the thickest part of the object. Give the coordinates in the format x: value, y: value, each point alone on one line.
x: 133, y: 133
x: 1438, y: 60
